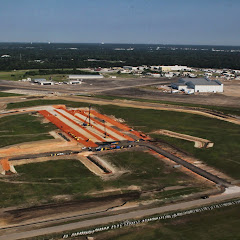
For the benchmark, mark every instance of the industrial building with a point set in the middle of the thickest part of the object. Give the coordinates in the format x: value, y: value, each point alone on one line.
x: 175, y: 68
x: 191, y: 85
x: 73, y: 82
x: 79, y: 77
x: 42, y: 81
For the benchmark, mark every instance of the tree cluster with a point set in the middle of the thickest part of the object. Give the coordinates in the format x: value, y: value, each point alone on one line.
x: 59, y: 56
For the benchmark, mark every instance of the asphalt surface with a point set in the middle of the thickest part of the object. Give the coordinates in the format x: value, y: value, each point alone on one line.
x: 88, y: 85
x: 188, y: 165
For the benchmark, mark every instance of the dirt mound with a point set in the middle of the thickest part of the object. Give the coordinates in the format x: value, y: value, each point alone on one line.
x: 24, y: 214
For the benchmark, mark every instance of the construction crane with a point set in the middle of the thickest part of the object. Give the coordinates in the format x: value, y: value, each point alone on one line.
x: 88, y: 118
x: 105, y: 131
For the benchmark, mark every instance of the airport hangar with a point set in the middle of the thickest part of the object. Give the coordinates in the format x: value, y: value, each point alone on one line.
x: 191, y: 85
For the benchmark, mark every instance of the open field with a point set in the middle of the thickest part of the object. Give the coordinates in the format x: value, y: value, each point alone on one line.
x: 16, y: 75
x: 53, y: 77
x: 12, y: 75
x: 221, y: 224
x: 42, y: 102
x: 23, y: 128
x: 224, y: 155
x: 142, y: 169
x: 40, y: 182
x: 226, y: 110
x: 4, y: 94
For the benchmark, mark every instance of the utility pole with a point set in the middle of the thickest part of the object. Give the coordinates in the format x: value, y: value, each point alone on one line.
x: 89, y: 115
x: 105, y: 132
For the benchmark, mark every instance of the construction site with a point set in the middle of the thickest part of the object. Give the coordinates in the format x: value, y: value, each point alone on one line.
x: 83, y: 130
x: 91, y: 161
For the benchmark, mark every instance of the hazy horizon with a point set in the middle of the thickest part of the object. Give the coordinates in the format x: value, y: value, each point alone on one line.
x: 172, y: 22
x: 116, y: 43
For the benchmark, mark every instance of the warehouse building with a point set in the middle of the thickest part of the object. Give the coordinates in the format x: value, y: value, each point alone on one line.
x: 42, y: 81
x: 73, y: 82
x: 79, y: 77
x: 174, y: 68
x: 190, y: 85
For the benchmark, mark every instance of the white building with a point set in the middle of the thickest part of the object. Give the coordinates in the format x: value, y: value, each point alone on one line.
x: 175, y: 68
x: 198, y: 85
x: 169, y: 75
x: 5, y: 56
x: 79, y: 77
x: 73, y: 82
x: 42, y: 81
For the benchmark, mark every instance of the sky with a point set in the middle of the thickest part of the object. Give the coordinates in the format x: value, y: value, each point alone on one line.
x: 204, y: 22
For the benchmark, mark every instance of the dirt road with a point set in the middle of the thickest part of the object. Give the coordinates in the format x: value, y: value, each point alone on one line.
x: 156, y: 106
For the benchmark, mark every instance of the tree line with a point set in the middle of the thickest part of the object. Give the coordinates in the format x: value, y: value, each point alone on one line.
x: 59, y: 56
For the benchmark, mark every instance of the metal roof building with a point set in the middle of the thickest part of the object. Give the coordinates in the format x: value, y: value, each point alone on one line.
x: 198, y: 85
x: 42, y: 81
x: 79, y: 77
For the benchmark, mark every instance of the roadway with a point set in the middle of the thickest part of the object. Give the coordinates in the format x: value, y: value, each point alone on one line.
x: 121, y: 217
x: 88, y: 86
x: 146, y: 144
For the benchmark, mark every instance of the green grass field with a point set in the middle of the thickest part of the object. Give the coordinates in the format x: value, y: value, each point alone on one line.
x: 226, y: 110
x: 145, y: 170
x: 16, y: 75
x: 220, y: 224
x: 23, y: 128
x: 47, y: 180
x: 39, y: 182
x: 12, y: 75
x: 45, y: 102
x: 226, y: 136
x: 5, y: 94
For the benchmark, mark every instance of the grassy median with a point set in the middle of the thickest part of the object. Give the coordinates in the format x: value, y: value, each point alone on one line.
x: 6, y: 94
